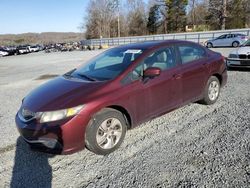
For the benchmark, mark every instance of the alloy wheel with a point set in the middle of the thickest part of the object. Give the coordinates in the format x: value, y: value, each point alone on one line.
x: 213, y: 90
x: 109, y: 133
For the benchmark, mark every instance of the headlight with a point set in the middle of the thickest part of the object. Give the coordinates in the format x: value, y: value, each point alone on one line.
x: 58, y: 114
x: 233, y: 56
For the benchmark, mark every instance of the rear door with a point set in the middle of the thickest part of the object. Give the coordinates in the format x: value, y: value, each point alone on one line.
x: 194, y: 71
x: 230, y: 39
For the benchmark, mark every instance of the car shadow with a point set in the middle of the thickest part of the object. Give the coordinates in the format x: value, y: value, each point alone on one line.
x: 239, y: 69
x: 31, y: 169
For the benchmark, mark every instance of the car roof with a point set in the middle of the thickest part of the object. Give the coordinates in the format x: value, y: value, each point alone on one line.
x: 150, y: 44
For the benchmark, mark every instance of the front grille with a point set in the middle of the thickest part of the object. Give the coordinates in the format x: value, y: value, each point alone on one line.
x: 244, y: 56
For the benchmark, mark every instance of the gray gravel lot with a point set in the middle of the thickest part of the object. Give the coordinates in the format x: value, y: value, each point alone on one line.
x: 194, y: 146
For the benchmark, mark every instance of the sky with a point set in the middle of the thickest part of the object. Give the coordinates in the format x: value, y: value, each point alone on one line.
x: 22, y: 16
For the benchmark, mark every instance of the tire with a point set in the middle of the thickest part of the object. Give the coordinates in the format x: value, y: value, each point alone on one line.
x: 235, y: 44
x: 209, y: 45
x: 212, y: 91
x: 105, y: 131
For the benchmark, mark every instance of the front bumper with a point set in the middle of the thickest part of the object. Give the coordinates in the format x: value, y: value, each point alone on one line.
x: 236, y: 62
x: 61, y: 137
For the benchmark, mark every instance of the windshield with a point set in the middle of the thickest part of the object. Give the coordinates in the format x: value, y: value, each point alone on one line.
x: 107, y: 65
x: 247, y: 43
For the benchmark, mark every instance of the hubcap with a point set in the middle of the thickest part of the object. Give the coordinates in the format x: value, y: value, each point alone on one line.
x: 213, y: 90
x: 109, y: 133
x: 235, y: 44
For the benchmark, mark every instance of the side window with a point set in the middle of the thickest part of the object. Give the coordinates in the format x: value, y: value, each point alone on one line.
x: 191, y: 53
x: 222, y: 37
x: 134, y: 75
x: 163, y: 59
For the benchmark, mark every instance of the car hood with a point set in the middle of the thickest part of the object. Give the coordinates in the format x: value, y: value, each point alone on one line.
x: 241, y: 50
x: 60, y: 93
x: 210, y: 40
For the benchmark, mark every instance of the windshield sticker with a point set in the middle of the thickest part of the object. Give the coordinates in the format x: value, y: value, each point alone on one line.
x: 133, y: 52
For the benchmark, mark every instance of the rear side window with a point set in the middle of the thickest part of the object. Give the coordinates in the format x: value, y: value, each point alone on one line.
x: 230, y: 36
x: 191, y: 53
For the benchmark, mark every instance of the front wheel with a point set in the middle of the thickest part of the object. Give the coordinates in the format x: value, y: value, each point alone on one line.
x: 105, y: 132
x: 212, y: 91
x: 209, y: 45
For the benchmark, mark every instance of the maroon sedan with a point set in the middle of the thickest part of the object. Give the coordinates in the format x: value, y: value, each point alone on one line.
x: 95, y: 104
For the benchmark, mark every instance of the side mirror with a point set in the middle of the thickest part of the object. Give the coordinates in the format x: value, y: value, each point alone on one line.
x: 152, y: 72
x: 92, y: 67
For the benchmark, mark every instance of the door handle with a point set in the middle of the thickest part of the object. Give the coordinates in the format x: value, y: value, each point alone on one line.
x: 177, y: 76
x: 205, y: 64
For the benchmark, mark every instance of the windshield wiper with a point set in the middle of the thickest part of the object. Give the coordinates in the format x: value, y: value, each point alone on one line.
x: 86, y: 76
x: 68, y: 74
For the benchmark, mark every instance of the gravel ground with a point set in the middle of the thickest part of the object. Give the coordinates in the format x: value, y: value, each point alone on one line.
x: 194, y: 146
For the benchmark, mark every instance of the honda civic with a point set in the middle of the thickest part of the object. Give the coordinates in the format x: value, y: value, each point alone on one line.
x: 94, y: 105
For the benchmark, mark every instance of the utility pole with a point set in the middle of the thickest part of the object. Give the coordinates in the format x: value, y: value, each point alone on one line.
x: 193, y: 13
x: 224, y: 14
x: 118, y: 19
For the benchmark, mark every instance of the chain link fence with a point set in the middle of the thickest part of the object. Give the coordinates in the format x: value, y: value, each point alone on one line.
x: 199, y: 37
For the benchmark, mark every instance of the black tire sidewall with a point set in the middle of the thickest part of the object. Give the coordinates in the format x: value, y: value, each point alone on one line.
x: 236, y: 43
x: 209, y: 45
x: 92, y: 128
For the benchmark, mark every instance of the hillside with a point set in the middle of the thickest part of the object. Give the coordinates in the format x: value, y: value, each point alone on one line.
x: 39, y: 38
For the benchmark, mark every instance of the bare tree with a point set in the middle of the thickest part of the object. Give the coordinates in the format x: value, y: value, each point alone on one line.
x: 99, y: 18
x: 137, y: 18
x: 224, y: 14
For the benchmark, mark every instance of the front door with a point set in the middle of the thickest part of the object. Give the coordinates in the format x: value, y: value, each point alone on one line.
x: 164, y: 91
x: 151, y: 97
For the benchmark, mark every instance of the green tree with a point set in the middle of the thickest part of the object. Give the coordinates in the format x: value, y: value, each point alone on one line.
x: 153, y: 19
x: 237, y: 14
x: 174, y: 15
x: 217, y: 15
x: 137, y: 19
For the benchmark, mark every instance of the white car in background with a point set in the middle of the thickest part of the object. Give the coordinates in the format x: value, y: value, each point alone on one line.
x: 34, y: 48
x: 22, y: 50
x: 3, y: 53
x: 240, y: 57
x: 230, y: 40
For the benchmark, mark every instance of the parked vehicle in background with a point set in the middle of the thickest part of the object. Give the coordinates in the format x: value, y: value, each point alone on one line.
x: 231, y: 40
x: 34, y: 48
x: 240, y: 57
x: 22, y: 50
x: 3, y: 52
x: 93, y: 105
x: 12, y: 50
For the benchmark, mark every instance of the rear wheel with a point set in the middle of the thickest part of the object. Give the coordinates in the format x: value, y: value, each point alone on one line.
x: 212, y: 91
x: 105, y: 132
x: 235, y: 44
